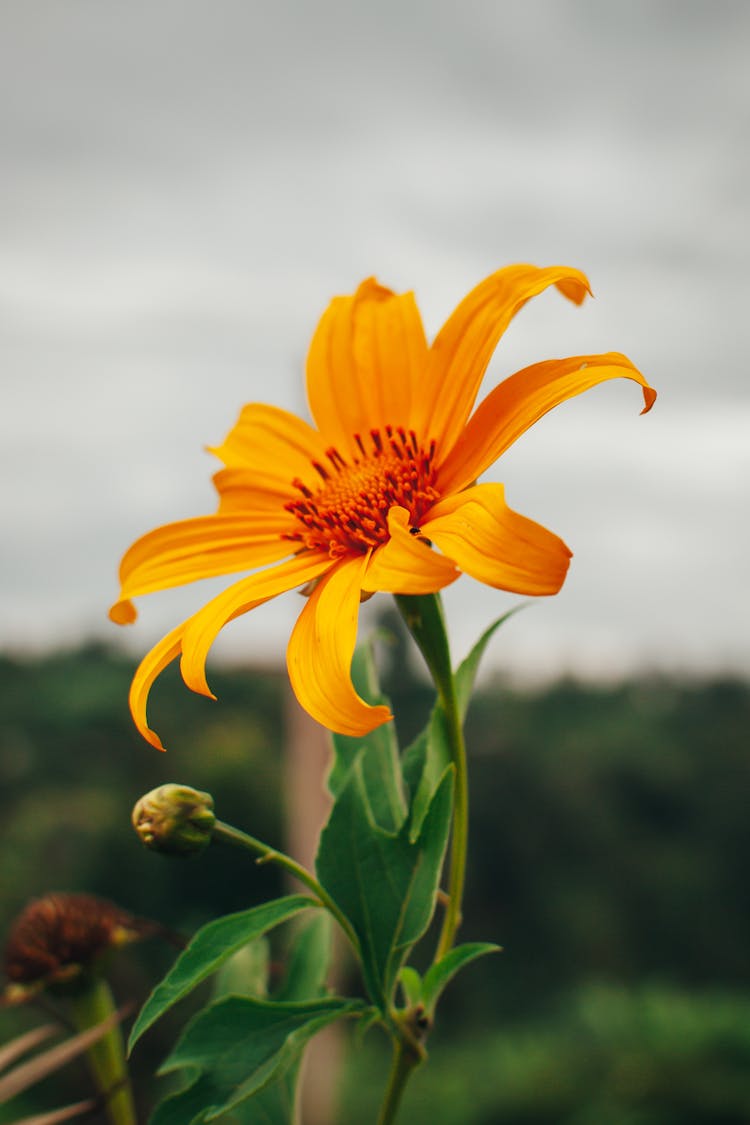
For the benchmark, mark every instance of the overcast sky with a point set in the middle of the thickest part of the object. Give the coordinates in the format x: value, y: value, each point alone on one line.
x: 185, y: 184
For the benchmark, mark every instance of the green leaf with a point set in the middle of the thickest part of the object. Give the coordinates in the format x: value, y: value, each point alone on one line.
x: 210, y: 948
x: 411, y: 985
x: 246, y: 972
x: 425, y: 760
x: 424, y: 763
x: 467, y: 670
x: 189, y: 1106
x: 275, y: 1104
x: 308, y: 961
x: 425, y: 620
x: 439, y: 974
x: 369, y: 1018
x: 380, y: 766
x: 237, y: 1048
x: 384, y: 882
x: 287, y: 1059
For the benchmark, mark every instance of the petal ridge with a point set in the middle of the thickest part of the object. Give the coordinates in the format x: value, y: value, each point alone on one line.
x: 192, y: 549
x: 274, y: 444
x: 239, y: 598
x: 464, y: 346
x: 521, y: 400
x: 406, y: 564
x: 320, y: 650
x: 496, y: 545
x: 365, y: 363
x: 152, y: 665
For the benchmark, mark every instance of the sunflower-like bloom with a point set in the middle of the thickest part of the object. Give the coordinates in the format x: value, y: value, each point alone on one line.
x: 380, y: 494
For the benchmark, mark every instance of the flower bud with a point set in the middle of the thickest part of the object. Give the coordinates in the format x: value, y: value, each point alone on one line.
x: 175, y: 820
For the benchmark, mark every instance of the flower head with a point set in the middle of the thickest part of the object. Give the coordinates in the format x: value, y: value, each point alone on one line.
x: 175, y: 820
x: 59, y: 936
x: 379, y: 494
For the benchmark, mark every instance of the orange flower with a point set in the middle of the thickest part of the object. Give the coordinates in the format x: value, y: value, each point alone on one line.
x: 358, y: 502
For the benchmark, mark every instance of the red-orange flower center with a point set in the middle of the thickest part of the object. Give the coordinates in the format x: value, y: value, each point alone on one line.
x: 349, y: 510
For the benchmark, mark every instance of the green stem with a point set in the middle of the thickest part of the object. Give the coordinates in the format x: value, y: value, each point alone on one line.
x: 229, y: 835
x: 460, y: 835
x: 405, y: 1059
x: 90, y: 1004
x: 424, y: 618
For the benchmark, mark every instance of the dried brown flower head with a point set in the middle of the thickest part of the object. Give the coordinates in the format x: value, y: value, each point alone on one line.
x: 60, y: 935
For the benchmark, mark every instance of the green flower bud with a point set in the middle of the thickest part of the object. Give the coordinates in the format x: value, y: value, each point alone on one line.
x: 175, y: 820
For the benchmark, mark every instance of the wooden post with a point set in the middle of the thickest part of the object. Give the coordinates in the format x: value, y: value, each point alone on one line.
x: 308, y: 759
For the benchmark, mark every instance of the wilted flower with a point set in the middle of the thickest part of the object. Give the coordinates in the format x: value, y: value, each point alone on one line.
x: 380, y: 494
x: 59, y: 936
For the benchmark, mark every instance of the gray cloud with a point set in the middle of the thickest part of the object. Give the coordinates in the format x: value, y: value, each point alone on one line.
x: 185, y: 185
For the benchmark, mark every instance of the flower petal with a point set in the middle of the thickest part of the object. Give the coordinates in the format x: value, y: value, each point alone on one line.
x: 320, y: 651
x: 192, y: 549
x: 153, y: 663
x: 496, y: 545
x: 406, y: 564
x: 260, y: 495
x: 365, y: 364
x: 513, y: 406
x: 462, y: 349
x: 203, y: 628
x: 275, y: 446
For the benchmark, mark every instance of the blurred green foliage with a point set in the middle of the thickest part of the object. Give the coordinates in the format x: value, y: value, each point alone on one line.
x: 606, y: 1055
x: 609, y: 855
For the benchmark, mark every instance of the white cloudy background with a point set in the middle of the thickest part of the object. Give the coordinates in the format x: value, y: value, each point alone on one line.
x: 184, y: 185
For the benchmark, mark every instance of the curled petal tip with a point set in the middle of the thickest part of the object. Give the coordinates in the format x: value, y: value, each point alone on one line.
x: 649, y: 398
x: 146, y: 732
x: 370, y: 286
x: 123, y: 613
x: 575, y: 288
x: 193, y: 673
x: 150, y: 667
x: 355, y: 726
x: 380, y: 715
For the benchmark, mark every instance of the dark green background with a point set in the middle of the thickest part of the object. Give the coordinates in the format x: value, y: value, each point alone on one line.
x: 609, y: 855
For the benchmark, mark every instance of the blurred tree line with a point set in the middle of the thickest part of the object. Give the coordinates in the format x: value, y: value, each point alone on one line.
x: 609, y: 856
